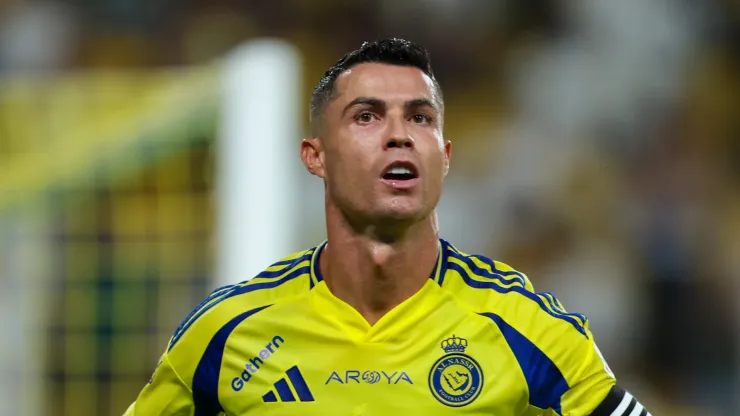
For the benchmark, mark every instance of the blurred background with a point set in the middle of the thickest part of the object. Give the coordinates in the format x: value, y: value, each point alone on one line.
x: 596, y: 148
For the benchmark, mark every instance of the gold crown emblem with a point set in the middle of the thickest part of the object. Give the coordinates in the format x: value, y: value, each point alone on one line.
x: 454, y: 344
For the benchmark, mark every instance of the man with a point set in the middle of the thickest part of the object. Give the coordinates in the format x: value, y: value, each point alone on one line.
x: 384, y: 317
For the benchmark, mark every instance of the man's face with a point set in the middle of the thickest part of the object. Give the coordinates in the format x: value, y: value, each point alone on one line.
x: 381, y: 153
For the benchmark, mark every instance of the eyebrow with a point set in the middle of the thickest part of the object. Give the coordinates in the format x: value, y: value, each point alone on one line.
x: 420, y: 102
x: 376, y: 102
x: 369, y: 101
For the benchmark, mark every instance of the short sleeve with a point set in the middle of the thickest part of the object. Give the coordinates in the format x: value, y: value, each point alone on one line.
x: 589, y: 379
x: 165, y: 394
x: 560, y: 362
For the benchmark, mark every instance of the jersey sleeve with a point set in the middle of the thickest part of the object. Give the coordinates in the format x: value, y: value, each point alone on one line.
x: 165, y: 394
x: 562, y: 367
x: 170, y: 389
x: 573, y: 375
x: 565, y: 373
x: 588, y: 377
x: 575, y: 378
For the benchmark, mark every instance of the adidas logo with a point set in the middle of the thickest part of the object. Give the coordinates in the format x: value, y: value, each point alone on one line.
x: 287, y: 386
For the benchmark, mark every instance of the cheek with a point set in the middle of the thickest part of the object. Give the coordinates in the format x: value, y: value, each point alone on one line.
x: 344, y: 165
x: 356, y: 153
x: 436, y: 158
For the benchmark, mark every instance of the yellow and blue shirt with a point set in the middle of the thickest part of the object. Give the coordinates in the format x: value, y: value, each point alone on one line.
x: 476, y: 339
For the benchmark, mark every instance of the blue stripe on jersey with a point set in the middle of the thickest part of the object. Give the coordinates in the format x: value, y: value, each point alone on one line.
x: 216, y: 293
x: 492, y: 264
x: 315, y: 269
x: 485, y: 273
x: 205, y: 379
x: 441, y: 263
x: 545, y: 381
x: 225, y: 289
x: 522, y: 291
x: 304, y: 393
x: 558, y: 308
x: 433, y: 276
x: 495, y: 273
x: 235, y: 290
x: 283, y: 391
x: 269, y: 397
x: 554, y: 303
x: 286, y: 262
x: 288, y: 265
x: 549, y: 302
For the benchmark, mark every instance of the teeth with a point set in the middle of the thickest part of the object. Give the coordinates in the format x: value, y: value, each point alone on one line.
x: 400, y: 171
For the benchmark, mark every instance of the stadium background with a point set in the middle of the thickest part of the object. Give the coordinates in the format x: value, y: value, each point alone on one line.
x: 596, y: 148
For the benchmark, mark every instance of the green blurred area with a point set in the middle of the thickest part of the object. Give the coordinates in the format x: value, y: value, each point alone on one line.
x: 120, y: 164
x: 133, y: 259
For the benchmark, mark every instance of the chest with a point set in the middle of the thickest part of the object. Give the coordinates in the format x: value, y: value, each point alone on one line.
x: 434, y: 367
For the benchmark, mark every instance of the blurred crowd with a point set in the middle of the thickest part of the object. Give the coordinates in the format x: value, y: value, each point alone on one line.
x: 596, y: 145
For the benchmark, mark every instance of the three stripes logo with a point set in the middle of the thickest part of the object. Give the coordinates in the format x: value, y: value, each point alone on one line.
x: 292, y: 388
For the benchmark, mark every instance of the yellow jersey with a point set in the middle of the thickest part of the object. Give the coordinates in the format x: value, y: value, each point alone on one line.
x: 475, y: 339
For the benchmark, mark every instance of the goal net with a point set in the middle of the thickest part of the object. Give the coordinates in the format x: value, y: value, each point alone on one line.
x: 125, y: 197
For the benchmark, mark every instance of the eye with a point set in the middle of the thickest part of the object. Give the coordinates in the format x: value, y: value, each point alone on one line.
x: 365, y: 117
x: 421, y: 119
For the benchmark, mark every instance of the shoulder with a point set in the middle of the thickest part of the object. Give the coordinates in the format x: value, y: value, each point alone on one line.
x: 230, y: 305
x: 492, y: 288
x: 562, y: 366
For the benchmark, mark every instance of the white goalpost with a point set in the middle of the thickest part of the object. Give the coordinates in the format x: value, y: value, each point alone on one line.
x: 257, y: 194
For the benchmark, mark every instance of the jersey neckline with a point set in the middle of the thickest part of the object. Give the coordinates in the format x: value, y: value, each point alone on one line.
x: 392, y: 324
x: 437, y: 275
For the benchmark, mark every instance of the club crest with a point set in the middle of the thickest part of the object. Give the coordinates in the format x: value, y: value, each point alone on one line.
x: 455, y: 379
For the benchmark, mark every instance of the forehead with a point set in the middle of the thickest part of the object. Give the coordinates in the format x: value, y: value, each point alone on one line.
x: 387, y: 82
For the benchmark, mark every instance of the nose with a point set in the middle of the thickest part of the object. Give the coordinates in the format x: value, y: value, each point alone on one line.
x: 399, y: 141
x: 398, y: 135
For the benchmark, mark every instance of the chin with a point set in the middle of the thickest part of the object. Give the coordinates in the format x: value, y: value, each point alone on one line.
x: 401, y: 212
x: 397, y: 216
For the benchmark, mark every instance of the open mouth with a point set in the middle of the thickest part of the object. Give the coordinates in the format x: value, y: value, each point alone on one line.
x: 401, y: 171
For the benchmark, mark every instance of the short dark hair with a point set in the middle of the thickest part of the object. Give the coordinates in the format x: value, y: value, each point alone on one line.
x: 392, y: 51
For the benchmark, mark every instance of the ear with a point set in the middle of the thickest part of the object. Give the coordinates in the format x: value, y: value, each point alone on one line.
x: 312, y: 155
x: 448, y: 155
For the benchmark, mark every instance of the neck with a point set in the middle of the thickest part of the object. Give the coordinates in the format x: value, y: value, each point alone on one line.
x: 374, y: 273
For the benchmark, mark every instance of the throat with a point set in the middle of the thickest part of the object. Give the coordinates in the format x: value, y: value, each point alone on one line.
x: 376, y: 281
x: 379, y: 296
